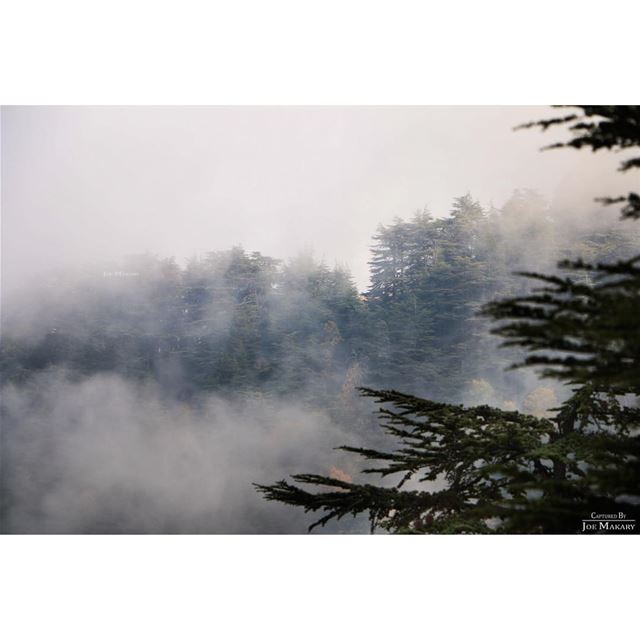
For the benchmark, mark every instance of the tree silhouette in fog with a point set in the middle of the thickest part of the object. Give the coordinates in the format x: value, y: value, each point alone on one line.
x: 489, y: 470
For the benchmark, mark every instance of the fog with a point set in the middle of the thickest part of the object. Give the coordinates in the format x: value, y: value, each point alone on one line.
x: 151, y: 403
x: 83, y: 184
x: 105, y: 455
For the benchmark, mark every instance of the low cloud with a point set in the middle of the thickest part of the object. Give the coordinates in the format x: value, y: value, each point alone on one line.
x: 105, y: 455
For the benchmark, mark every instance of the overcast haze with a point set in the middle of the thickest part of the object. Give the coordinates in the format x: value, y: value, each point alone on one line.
x: 86, y: 184
x: 151, y: 404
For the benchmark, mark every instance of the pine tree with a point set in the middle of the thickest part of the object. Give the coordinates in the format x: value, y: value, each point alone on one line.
x: 400, y: 319
x: 456, y: 289
x: 495, y: 471
x: 614, y: 128
x: 390, y: 261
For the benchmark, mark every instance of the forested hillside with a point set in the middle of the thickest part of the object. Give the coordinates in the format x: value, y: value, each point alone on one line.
x: 241, y: 322
x: 154, y: 394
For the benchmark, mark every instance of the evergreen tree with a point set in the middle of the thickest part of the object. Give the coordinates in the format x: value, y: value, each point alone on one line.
x: 401, y: 335
x: 390, y: 261
x: 604, y: 127
x: 497, y: 471
x: 456, y: 289
x: 483, y: 469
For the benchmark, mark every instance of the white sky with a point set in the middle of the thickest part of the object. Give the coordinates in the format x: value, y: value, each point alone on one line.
x: 85, y: 184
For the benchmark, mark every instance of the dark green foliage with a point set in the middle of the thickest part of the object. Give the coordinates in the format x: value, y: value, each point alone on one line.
x: 487, y: 470
x: 497, y: 471
x: 460, y: 283
x: 231, y: 320
x: 243, y: 322
x: 604, y: 127
x: 581, y: 332
x: 442, y: 445
x: 237, y: 322
x: 430, y: 277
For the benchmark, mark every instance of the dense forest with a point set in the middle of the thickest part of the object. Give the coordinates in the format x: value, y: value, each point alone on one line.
x: 486, y: 468
x: 146, y: 395
x: 245, y: 323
